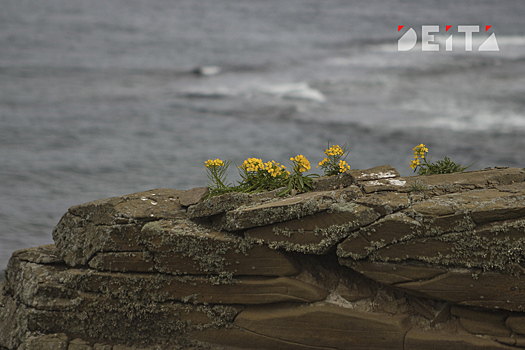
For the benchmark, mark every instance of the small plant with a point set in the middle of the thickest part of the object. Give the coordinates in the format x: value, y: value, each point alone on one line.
x: 296, y: 180
x: 216, y: 171
x: 418, y: 187
x: 422, y: 166
x: 258, y: 176
x: 334, y: 162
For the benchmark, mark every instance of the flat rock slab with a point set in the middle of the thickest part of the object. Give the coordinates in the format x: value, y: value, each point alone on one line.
x: 312, y: 327
x: 315, y: 234
x: 417, y: 340
x: 112, y: 224
x: 435, y: 217
x: 465, y: 181
x: 385, y: 203
x: 286, y: 209
x: 228, y: 201
x: 56, y: 287
x: 182, y: 247
x: 242, y: 290
x: 375, y: 173
x: 382, y: 232
x: 492, y: 247
x: 488, y: 290
x: 390, y: 273
x: 334, y: 182
x: 108, y: 321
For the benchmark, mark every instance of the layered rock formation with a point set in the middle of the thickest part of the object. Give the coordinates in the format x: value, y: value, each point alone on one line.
x: 368, y: 260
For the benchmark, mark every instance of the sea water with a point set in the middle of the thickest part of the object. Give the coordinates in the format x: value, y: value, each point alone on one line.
x: 99, y: 99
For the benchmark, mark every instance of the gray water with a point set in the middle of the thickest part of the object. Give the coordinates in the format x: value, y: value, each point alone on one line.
x: 97, y: 98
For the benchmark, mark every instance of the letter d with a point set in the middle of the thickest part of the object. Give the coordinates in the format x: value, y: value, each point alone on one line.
x: 407, y: 41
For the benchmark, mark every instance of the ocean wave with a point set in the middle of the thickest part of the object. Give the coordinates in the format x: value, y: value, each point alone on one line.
x: 481, y: 122
x: 290, y: 91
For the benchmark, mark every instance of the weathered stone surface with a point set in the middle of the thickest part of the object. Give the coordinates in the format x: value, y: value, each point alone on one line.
x: 51, y: 287
x: 286, y: 209
x: 182, y: 247
x: 242, y: 290
x: 466, y: 181
x: 494, y: 246
x: 315, y: 234
x: 13, y: 321
x: 385, y: 202
x: 46, y: 254
x: 342, y: 328
x: 112, y: 224
x: 465, y: 287
x: 229, y: 201
x: 336, y: 182
x: 516, y: 323
x: 417, y: 340
x: 123, y: 320
x: 422, y: 262
x: 124, y: 262
x: 193, y: 196
x: 313, y: 327
x: 482, y: 322
x: 478, y: 228
x: 47, y: 342
x: 375, y: 173
x: 386, y: 273
x: 79, y: 344
x: 392, y: 228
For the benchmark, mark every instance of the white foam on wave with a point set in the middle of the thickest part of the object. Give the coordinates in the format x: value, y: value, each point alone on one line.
x: 298, y: 91
x: 294, y: 91
x: 505, y: 123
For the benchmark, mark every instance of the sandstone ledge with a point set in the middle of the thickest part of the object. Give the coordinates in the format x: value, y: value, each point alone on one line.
x: 368, y: 260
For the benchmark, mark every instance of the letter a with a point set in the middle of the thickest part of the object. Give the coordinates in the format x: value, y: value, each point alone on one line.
x: 491, y: 44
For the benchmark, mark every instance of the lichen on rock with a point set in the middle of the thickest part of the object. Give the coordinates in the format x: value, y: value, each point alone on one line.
x: 423, y: 261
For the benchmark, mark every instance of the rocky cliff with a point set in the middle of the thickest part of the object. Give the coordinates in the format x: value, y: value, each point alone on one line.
x: 368, y: 260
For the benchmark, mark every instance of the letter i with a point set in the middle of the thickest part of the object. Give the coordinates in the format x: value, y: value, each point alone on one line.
x: 448, y: 42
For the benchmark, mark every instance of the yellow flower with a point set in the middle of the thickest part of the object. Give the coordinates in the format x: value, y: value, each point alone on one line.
x: 343, y: 166
x: 252, y: 164
x: 213, y: 163
x: 420, y: 150
x: 273, y: 168
x: 334, y: 151
x: 301, y: 163
x: 414, y: 163
x: 322, y: 162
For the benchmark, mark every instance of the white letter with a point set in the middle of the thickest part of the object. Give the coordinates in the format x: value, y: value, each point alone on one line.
x: 468, y: 30
x: 407, y: 41
x: 491, y: 44
x: 426, y: 38
x: 448, y: 43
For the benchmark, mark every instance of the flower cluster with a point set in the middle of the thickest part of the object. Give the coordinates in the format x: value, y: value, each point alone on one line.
x: 216, y: 170
x: 419, y: 151
x: 252, y: 165
x: 334, y: 162
x: 300, y: 164
x: 334, y: 151
x: 275, y: 169
x: 210, y: 163
x: 421, y: 163
x: 343, y: 166
x: 260, y: 176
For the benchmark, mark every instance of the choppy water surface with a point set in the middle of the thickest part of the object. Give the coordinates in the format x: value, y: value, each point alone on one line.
x: 97, y: 98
